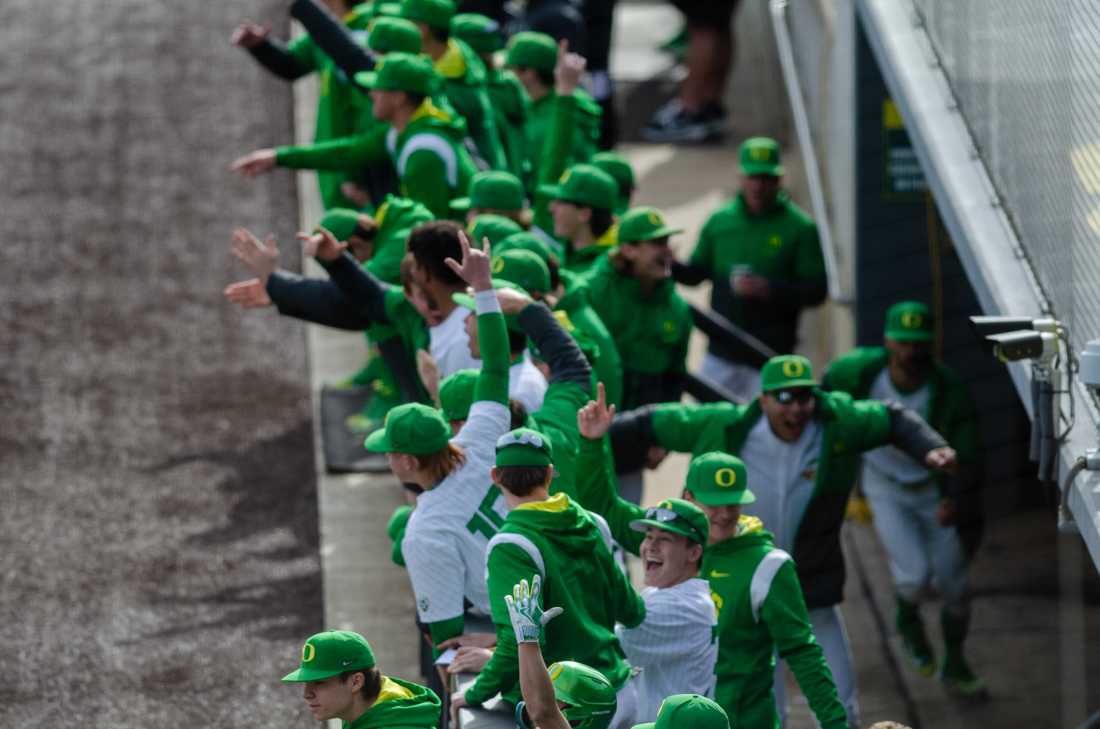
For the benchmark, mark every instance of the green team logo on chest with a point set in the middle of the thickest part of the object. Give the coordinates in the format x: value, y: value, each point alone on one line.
x: 485, y: 521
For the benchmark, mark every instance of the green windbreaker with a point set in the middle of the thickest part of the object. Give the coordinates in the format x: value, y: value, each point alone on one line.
x: 465, y: 84
x: 510, y: 108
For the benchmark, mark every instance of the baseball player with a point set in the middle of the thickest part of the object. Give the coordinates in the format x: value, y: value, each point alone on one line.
x: 445, y: 540
x: 340, y: 680
x: 496, y: 192
x: 688, y: 711
x: 753, y: 585
x: 914, y: 507
x: 581, y: 205
x: 762, y: 253
x: 568, y: 547
x: 806, y: 445
x: 560, y: 696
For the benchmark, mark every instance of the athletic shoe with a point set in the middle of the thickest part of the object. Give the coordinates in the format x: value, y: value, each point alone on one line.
x: 959, y: 679
x: 672, y: 123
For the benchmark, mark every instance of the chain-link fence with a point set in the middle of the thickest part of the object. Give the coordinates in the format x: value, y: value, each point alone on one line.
x: 1026, y: 75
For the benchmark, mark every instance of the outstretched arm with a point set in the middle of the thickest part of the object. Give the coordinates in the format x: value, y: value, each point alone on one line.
x: 528, y: 619
x: 331, y: 36
x: 364, y: 291
x: 269, y: 52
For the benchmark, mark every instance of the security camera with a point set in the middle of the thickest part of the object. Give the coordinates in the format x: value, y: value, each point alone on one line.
x: 1024, y: 344
x: 984, y: 326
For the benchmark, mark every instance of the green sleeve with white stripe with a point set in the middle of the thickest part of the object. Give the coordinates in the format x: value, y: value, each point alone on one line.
x: 507, y: 565
x: 784, y: 613
x: 342, y: 154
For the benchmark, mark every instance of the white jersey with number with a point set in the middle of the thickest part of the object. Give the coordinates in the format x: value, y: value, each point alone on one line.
x: 783, y: 476
x: 675, y: 645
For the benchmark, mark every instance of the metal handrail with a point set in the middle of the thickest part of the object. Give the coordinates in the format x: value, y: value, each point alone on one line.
x: 809, y: 156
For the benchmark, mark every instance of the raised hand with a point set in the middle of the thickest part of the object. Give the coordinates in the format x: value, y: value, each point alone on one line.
x: 249, y: 35
x: 595, y: 418
x: 249, y: 294
x: 322, y: 245
x: 526, y: 614
x: 260, y: 258
x: 569, y: 70
x: 475, y: 268
x: 942, y: 459
x: 255, y: 163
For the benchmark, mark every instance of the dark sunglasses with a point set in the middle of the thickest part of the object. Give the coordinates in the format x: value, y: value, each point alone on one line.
x: 799, y: 395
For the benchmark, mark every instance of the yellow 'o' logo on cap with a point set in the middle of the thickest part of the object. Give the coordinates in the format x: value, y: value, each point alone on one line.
x: 308, y: 653
x: 655, y: 218
x: 775, y: 241
x: 555, y: 671
x: 760, y: 154
x: 912, y: 320
x: 793, y: 368
x: 498, y: 264
x: 725, y: 477
x: 565, y: 176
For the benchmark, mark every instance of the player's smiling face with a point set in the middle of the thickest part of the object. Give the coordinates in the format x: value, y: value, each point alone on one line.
x: 669, y: 558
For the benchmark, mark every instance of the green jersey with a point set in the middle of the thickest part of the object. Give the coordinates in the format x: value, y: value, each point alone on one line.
x: 571, y: 549
x: 510, y: 107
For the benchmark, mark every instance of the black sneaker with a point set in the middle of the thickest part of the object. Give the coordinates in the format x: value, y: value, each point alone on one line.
x: 673, y: 123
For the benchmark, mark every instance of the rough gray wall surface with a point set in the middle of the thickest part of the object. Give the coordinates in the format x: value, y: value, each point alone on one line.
x: 158, y: 517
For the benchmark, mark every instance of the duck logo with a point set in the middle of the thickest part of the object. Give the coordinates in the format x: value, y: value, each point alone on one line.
x: 912, y: 320
x: 308, y: 653
x: 498, y: 264
x: 725, y: 477
x: 793, y: 368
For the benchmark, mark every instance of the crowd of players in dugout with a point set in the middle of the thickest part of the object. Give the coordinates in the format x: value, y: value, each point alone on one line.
x: 527, y: 361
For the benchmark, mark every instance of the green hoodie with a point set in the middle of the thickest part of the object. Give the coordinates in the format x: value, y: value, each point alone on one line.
x: 433, y: 166
x: 571, y: 549
x: 761, y: 612
x: 584, y: 131
x: 651, y: 332
x: 465, y: 86
x: 400, y: 705
x: 510, y: 109
x: 342, y: 109
x: 850, y: 427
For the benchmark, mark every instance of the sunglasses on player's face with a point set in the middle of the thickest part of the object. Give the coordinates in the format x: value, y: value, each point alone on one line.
x: 800, y: 395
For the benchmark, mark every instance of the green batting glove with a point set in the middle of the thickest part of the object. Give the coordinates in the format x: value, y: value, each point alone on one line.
x: 525, y: 613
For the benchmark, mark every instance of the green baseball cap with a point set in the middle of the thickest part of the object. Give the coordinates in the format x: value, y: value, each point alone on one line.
x: 529, y: 49
x: 432, y: 13
x: 688, y: 711
x: 718, y: 479
x: 584, y: 185
x: 677, y: 516
x: 643, y: 224
x: 526, y: 241
x: 331, y: 653
x: 524, y: 268
x: 456, y: 394
x: 393, y: 35
x: 524, y: 447
x: 411, y: 428
x: 760, y: 156
x: 620, y: 170
x: 492, y: 190
x: 909, y: 321
x: 787, y: 370
x: 494, y: 227
x: 480, y: 32
x: 407, y: 72
x: 341, y: 222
